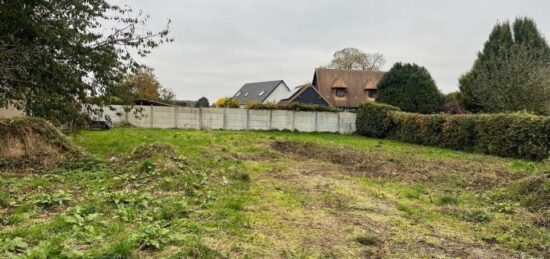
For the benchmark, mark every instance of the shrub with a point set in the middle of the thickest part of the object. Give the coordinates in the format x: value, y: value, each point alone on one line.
x: 516, y: 135
x: 227, y: 102
x: 291, y: 107
x: 411, y: 88
x: 459, y: 132
x: 454, y: 108
x: 373, y: 119
x: 512, y: 135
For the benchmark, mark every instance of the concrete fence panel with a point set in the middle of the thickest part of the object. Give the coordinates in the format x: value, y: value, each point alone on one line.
x: 305, y: 121
x: 188, y: 118
x: 259, y: 119
x: 212, y: 118
x: 116, y: 113
x: 140, y: 119
x: 281, y: 120
x: 347, y: 122
x: 235, y: 119
x: 327, y: 122
x: 232, y: 119
x: 163, y: 117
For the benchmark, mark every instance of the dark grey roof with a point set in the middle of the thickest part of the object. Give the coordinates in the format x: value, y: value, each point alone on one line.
x: 250, y: 92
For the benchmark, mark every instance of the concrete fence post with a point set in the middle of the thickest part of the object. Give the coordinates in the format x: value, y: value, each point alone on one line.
x: 200, y: 118
x: 151, y: 114
x: 338, y: 124
x: 270, y: 120
x: 225, y: 118
x: 316, y: 121
x: 292, y: 123
x: 175, y: 117
x: 247, y: 118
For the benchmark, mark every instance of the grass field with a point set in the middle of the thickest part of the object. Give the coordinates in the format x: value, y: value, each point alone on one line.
x: 179, y: 194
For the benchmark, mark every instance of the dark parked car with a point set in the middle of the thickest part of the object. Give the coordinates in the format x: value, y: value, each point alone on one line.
x: 101, y: 124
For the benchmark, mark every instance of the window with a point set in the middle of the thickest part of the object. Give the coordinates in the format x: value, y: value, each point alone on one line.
x: 340, y: 92
x: 246, y: 94
x: 261, y: 93
x: 371, y: 93
x: 239, y: 93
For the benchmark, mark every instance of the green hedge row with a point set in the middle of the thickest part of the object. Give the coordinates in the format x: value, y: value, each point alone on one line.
x: 509, y: 135
x: 290, y: 107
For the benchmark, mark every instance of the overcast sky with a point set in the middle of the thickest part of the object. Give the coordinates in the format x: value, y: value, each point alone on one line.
x: 222, y: 44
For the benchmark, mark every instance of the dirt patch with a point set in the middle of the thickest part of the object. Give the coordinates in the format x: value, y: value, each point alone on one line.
x: 33, y: 141
x: 403, y: 168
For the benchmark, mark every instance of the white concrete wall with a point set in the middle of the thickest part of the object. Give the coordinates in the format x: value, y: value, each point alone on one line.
x: 188, y: 118
x: 212, y: 118
x: 305, y: 121
x: 327, y: 122
x: 140, y: 119
x: 280, y: 92
x: 259, y: 119
x: 234, y: 119
x: 116, y: 113
x: 164, y: 117
x: 347, y: 122
x: 281, y: 120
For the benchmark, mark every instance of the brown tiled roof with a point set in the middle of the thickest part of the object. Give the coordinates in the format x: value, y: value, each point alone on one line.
x: 355, y: 82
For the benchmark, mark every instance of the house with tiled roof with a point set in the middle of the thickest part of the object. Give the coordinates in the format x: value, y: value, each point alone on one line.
x: 347, y: 89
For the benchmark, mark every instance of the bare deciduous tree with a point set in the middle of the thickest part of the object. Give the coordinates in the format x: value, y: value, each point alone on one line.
x: 356, y: 59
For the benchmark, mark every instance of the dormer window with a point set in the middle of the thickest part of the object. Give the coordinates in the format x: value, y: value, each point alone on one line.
x: 340, y: 92
x: 261, y: 93
x: 238, y: 94
x: 371, y: 93
x: 246, y: 94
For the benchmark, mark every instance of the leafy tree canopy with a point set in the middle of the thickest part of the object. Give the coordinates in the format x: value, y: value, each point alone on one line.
x: 202, y: 102
x: 511, y: 72
x: 144, y: 84
x: 411, y: 88
x: 57, y: 56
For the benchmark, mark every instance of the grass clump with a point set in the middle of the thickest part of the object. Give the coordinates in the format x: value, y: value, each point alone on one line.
x: 448, y: 200
x: 367, y: 240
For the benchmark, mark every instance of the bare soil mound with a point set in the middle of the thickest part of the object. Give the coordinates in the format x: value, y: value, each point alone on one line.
x: 33, y: 141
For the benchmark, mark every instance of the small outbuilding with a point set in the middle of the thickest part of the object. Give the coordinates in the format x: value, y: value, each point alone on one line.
x: 146, y: 102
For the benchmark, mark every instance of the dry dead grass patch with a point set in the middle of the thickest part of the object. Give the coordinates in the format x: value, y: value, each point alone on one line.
x: 474, y: 174
x: 316, y: 208
x: 33, y: 141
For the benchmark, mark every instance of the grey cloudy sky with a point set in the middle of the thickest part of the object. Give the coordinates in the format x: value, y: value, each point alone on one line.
x: 221, y: 44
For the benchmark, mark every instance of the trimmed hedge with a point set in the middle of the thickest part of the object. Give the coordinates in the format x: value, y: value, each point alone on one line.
x: 291, y: 107
x: 508, y: 135
x: 375, y: 120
